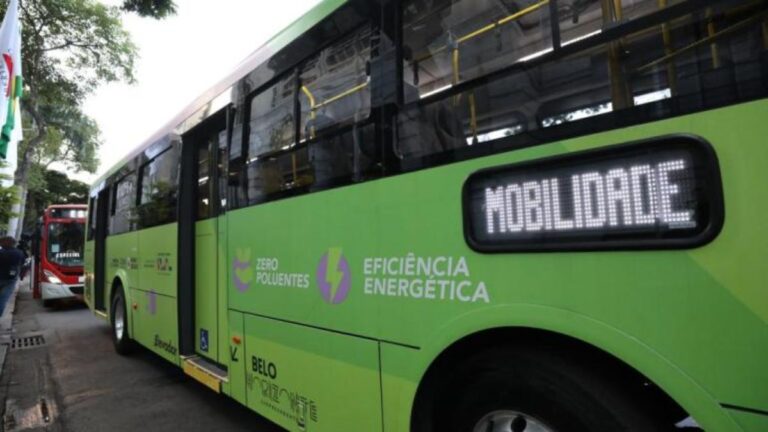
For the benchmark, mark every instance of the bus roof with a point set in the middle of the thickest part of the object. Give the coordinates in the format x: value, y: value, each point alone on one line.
x: 256, y: 58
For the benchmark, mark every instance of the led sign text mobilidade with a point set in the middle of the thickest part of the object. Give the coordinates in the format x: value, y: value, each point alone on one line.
x: 661, y: 193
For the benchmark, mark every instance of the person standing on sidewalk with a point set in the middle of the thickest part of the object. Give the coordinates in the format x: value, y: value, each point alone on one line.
x: 11, y: 261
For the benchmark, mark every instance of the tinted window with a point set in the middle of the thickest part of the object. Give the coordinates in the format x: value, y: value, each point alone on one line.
x: 123, y: 212
x: 159, y: 189
x: 272, y: 130
x: 334, y: 85
x: 272, y: 124
x: 447, y: 42
x: 654, y: 73
x: 92, y: 211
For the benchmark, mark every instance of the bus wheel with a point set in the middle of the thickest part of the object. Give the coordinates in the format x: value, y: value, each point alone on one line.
x: 533, y: 390
x: 121, y: 339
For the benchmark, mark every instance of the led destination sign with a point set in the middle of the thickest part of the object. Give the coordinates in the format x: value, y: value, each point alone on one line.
x: 660, y: 193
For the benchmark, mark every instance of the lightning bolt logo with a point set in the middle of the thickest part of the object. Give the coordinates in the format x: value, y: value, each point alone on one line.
x: 333, y: 276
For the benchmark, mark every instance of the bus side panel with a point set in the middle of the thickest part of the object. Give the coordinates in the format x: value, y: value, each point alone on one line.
x: 122, y: 263
x: 236, y: 358
x: 88, y: 267
x: 155, y: 309
x: 158, y: 259
x: 398, y: 392
x: 207, y: 311
x: 308, y: 379
x: 225, y: 337
x: 154, y: 323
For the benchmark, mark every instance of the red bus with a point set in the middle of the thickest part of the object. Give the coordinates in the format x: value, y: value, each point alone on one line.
x: 59, y: 254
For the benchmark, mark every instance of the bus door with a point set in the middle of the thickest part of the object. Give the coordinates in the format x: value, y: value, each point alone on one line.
x: 100, y: 250
x: 209, y: 303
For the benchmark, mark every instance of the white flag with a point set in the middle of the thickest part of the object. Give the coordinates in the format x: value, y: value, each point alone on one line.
x: 10, y: 78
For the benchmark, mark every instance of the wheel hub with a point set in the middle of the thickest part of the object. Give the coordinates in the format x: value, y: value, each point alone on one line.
x: 119, y: 320
x: 510, y: 421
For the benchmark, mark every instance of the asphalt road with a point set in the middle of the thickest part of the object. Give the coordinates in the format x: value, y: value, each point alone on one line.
x: 80, y: 384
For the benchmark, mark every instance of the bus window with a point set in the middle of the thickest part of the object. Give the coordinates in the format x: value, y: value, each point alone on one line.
x: 448, y: 42
x: 159, y: 185
x: 123, y: 205
x: 92, y: 217
x: 272, y: 129
x: 335, y: 92
x: 203, y: 180
x: 334, y: 85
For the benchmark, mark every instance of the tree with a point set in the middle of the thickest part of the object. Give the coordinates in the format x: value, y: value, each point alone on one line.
x: 8, y: 197
x: 55, y: 188
x: 69, y: 47
x: 150, y: 8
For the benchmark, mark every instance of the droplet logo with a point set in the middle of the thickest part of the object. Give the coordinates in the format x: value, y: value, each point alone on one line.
x: 242, y: 272
x: 333, y: 277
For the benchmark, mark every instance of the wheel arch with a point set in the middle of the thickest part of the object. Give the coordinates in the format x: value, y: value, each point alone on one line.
x: 622, y: 355
x: 118, y: 280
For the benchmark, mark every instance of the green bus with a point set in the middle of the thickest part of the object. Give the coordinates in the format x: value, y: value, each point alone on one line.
x: 461, y: 215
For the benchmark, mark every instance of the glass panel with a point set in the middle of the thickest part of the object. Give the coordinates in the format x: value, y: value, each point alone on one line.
x: 707, y: 59
x: 450, y: 41
x: 65, y: 244
x: 343, y: 158
x: 92, y: 209
x: 272, y: 126
x: 124, y: 200
x: 335, y: 88
x: 203, y: 180
x: 159, y: 181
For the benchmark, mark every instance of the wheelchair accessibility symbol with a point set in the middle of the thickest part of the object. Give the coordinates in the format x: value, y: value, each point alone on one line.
x: 204, y: 340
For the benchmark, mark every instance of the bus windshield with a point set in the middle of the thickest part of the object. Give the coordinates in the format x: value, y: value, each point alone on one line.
x: 65, y: 243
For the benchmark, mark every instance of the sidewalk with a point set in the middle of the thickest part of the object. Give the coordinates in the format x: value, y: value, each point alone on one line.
x: 6, y: 320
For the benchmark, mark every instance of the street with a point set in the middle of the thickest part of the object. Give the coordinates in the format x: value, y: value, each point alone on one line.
x: 75, y: 381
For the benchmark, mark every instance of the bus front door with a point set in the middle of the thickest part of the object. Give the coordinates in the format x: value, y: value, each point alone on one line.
x: 209, y: 297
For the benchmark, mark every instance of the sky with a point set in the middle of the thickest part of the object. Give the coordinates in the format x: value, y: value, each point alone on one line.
x: 179, y: 58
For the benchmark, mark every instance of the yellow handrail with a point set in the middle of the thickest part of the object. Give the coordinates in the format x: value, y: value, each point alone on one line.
x: 765, y: 34
x: 519, y: 14
x: 344, y: 94
x: 710, y: 32
x: 666, y: 37
x: 312, y: 114
x: 702, y: 41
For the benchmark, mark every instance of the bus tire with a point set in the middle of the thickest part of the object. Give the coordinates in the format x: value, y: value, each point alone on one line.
x: 525, y: 389
x: 118, y: 318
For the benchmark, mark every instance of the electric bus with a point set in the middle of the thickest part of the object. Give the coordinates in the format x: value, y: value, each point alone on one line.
x: 461, y: 215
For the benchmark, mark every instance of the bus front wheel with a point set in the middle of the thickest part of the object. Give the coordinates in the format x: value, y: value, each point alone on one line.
x: 533, y: 390
x: 120, y: 337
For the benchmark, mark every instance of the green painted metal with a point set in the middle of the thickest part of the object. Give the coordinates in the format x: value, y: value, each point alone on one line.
x: 308, y: 379
x: 667, y: 313
x: 693, y: 321
x: 236, y: 357
x: 298, y: 284
x: 207, y: 309
x: 88, y: 264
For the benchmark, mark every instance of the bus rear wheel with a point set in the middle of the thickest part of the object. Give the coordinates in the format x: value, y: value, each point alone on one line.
x: 120, y: 337
x: 533, y: 390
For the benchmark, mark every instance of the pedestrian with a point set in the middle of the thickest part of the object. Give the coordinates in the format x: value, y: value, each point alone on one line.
x: 11, y: 260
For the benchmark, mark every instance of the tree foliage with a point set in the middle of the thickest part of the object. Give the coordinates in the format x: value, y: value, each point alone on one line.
x: 150, y: 8
x: 54, y: 188
x: 8, y: 197
x: 69, y: 48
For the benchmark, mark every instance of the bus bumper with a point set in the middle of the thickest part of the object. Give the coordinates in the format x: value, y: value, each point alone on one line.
x: 51, y: 291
